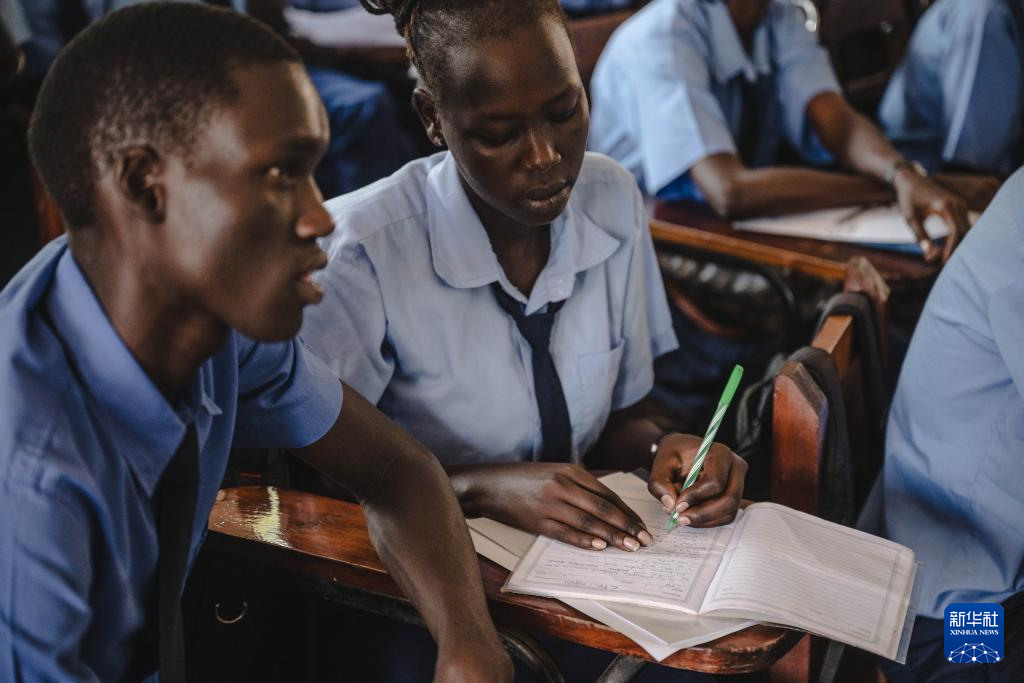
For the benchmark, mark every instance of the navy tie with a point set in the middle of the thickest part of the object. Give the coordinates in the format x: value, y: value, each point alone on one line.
x: 162, y: 643
x: 555, y: 428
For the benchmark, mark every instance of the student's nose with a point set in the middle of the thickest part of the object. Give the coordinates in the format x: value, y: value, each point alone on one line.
x: 541, y: 153
x: 314, y: 221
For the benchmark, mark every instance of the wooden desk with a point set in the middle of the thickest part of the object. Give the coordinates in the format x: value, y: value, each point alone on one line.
x: 321, y: 545
x: 694, y: 226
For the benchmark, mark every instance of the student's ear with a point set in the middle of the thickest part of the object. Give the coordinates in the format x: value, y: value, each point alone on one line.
x: 426, y: 108
x: 137, y: 170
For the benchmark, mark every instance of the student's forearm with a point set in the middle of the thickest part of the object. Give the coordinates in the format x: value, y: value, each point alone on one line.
x: 778, y: 190
x: 413, y: 518
x: 856, y: 143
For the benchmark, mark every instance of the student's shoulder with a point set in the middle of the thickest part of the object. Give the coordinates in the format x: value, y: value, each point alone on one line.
x: 38, y: 445
x: 396, y: 202
x: 608, y: 194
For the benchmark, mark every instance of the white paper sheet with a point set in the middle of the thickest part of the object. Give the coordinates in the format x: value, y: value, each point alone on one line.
x: 353, y: 27
x: 876, y: 225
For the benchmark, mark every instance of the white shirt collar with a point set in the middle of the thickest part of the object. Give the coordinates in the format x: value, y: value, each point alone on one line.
x: 463, y: 257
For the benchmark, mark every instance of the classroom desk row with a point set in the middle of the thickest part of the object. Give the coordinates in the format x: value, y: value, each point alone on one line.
x: 321, y: 546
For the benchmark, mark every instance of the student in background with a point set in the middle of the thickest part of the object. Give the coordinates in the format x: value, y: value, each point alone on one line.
x: 955, y: 101
x: 697, y: 97
x: 502, y: 300
x: 368, y: 138
x: 160, y: 332
x: 953, y: 477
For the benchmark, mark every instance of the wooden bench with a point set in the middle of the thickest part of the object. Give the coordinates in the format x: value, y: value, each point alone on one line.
x: 296, y: 539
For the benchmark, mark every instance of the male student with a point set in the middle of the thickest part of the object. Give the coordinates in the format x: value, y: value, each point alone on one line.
x: 696, y: 98
x: 134, y: 353
x: 956, y: 98
x: 954, y: 457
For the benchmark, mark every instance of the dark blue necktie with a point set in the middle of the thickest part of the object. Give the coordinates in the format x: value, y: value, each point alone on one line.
x: 555, y: 428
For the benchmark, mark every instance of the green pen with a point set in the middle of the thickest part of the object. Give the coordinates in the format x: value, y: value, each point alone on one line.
x: 709, y: 436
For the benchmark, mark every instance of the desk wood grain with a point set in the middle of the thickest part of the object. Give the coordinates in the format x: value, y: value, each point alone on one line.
x: 693, y: 226
x: 325, y: 542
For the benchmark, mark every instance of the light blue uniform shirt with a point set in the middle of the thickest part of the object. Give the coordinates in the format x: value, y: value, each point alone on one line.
x: 410, y: 321
x: 954, y: 469
x: 84, y: 438
x: 956, y: 98
x: 668, y: 90
x: 13, y: 18
x: 594, y: 5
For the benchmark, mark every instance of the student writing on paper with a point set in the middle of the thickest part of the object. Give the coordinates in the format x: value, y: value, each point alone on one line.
x: 696, y: 98
x: 501, y: 300
x: 953, y: 477
x: 160, y: 330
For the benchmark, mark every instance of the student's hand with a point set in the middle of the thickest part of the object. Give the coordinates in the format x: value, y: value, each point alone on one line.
x: 474, y: 661
x: 918, y: 198
x: 977, y: 190
x: 562, y: 501
x: 714, y: 498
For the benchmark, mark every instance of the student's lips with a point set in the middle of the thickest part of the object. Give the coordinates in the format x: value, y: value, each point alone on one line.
x: 309, y: 289
x: 548, y: 197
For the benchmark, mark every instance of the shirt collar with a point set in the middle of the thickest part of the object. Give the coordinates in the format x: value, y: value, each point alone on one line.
x: 146, y: 428
x: 463, y: 257
x: 728, y: 56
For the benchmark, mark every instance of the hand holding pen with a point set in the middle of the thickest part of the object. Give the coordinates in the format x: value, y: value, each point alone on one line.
x: 698, y: 477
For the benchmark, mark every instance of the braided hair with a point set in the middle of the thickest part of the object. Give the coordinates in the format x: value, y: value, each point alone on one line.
x: 432, y: 27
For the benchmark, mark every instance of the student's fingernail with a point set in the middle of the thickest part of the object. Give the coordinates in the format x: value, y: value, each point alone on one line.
x: 681, y: 507
x: 645, y: 538
x: 684, y: 521
x: 598, y: 544
x: 666, y: 501
x: 631, y: 543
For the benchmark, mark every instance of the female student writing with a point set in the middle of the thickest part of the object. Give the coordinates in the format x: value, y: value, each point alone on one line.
x: 501, y: 300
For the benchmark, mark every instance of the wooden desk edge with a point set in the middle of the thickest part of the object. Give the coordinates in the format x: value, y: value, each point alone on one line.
x: 752, y: 649
x: 816, y: 266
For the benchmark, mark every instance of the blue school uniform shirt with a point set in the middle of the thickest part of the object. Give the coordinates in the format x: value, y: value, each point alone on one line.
x: 668, y: 90
x: 84, y: 438
x: 954, y: 462
x: 956, y: 98
x: 410, y: 320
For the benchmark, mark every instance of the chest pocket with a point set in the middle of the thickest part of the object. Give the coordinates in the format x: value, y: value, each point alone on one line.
x: 590, y: 397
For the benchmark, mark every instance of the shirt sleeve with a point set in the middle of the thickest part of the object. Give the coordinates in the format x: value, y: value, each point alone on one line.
x: 287, y: 397
x: 45, y: 578
x: 347, y: 329
x: 804, y: 72
x: 676, y: 115
x: 647, y: 321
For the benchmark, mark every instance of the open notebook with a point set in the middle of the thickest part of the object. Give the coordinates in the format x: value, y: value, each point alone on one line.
x: 658, y: 631
x: 773, y: 564
x: 875, y: 226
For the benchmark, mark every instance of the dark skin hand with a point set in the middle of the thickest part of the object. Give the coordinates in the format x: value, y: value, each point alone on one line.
x: 516, y: 122
x: 736, y: 191
x: 187, y: 249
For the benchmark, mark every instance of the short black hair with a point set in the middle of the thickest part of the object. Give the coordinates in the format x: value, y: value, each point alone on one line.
x: 147, y: 74
x: 433, y: 27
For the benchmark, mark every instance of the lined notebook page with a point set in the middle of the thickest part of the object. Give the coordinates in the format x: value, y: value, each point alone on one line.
x: 674, y: 572
x: 799, y: 570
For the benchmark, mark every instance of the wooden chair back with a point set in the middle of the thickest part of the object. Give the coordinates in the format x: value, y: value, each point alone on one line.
x: 589, y: 37
x: 800, y: 412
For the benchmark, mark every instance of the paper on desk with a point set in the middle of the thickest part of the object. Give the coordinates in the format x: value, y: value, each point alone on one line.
x: 353, y: 27
x: 882, y: 225
x: 659, y: 632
